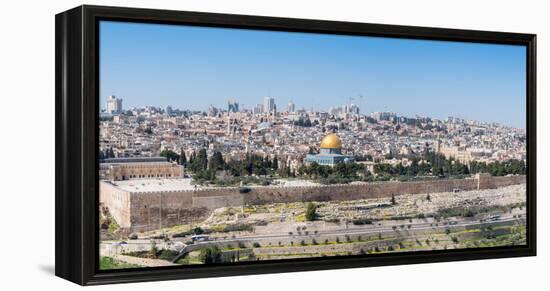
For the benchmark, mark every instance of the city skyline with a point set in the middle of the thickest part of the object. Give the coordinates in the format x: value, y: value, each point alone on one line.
x: 171, y: 65
x: 229, y: 106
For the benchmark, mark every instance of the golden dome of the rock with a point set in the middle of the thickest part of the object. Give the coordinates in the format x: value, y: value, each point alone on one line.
x: 331, y: 141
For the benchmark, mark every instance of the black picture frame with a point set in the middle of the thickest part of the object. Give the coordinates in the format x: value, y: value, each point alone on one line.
x: 77, y: 103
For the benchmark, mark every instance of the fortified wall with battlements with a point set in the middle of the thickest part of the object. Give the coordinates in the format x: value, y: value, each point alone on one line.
x: 148, y: 210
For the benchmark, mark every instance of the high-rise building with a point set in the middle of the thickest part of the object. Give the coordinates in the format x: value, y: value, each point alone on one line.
x: 336, y: 111
x: 383, y: 115
x: 290, y: 107
x: 269, y: 102
x: 212, y: 111
x: 352, y: 109
x: 258, y: 109
x: 169, y: 110
x: 274, y: 112
x: 232, y: 105
x: 345, y: 110
x: 113, y: 105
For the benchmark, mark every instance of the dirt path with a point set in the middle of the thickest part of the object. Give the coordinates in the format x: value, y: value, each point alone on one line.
x: 143, y: 261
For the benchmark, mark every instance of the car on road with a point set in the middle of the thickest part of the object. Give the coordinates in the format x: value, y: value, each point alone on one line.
x: 493, y: 217
x: 200, y: 237
x: 244, y: 190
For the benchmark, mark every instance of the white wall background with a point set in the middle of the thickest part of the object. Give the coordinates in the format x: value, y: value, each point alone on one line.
x: 27, y: 144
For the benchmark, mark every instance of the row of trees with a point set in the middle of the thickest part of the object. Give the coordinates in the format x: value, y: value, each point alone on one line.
x: 432, y: 164
x: 211, y: 255
x: 197, y: 161
x: 108, y: 153
x: 205, y: 168
x: 513, y: 166
x: 253, y: 165
x: 437, y: 165
x: 340, y: 173
x: 429, y: 164
x: 444, y: 167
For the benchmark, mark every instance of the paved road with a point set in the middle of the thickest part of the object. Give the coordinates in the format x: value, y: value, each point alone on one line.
x: 361, y: 231
x: 178, y: 245
x: 357, y: 231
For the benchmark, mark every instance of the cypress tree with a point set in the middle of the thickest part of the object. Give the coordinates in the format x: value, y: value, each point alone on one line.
x: 183, y: 158
x: 275, y: 163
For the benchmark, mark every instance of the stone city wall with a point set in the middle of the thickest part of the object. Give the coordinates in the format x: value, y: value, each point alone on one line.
x: 490, y: 182
x: 118, y: 202
x: 354, y: 191
x: 142, y: 211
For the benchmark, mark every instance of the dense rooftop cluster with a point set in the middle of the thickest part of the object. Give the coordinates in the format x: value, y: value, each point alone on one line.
x: 380, y: 137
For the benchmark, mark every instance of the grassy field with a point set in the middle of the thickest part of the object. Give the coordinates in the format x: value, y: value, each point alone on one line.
x: 108, y: 263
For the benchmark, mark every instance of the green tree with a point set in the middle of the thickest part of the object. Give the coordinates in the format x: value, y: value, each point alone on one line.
x: 275, y: 164
x: 202, y: 159
x: 170, y: 155
x: 153, y: 250
x: 210, y: 255
x: 198, y: 162
x: 216, y: 161
x: 311, y: 212
x: 413, y: 169
x: 111, y: 153
x: 198, y: 230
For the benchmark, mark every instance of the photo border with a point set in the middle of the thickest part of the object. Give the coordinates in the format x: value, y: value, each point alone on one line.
x: 77, y: 143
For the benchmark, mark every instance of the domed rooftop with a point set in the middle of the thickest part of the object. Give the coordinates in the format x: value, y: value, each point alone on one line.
x: 331, y: 141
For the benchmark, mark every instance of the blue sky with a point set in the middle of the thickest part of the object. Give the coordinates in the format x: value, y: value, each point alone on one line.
x: 192, y: 67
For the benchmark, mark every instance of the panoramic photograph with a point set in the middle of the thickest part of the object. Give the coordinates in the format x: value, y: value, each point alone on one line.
x: 221, y: 146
